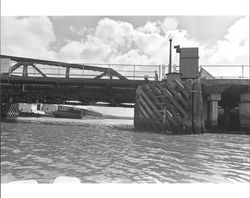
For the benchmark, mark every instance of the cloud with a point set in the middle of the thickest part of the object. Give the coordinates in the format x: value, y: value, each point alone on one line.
x: 116, y: 33
x: 110, y: 39
x: 71, y: 51
x: 114, y: 41
x: 170, y: 23
x: 80, y: 32
x: 95, y: 50
x: 150, y: 27
x: 130, y: 57
x: 234, y: 47
x: 27, y: 36
x: 156, y: 46
x: 91, y: 50
x: 119, y: 42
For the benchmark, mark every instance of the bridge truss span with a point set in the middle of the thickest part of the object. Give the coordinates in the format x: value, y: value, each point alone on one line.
x: 33, y: 80
x: 26, y: 67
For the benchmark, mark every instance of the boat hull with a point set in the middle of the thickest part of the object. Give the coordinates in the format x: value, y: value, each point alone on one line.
x: 66, y: 114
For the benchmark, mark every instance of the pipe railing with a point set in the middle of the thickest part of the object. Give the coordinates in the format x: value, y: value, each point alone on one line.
x: 131, y: 72
x: 134, y: 71
x: 228, y: 71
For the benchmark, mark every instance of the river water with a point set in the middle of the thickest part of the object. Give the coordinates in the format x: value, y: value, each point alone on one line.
x: 109, y: 151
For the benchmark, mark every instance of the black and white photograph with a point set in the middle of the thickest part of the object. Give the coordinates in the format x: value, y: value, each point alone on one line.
x: 125, y: 99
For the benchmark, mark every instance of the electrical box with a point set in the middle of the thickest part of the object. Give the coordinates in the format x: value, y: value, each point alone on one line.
x: 189, y: 62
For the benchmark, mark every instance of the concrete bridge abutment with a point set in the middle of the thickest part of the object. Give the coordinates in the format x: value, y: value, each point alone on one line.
x: 227, y: 116
x: 244, y: 111
x: 213, y: 100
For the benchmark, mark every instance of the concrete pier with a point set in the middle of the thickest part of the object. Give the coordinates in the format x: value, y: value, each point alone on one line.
x: 213, y: 110
x: 172, y: 107
x: 244, y: 111
x: 226, y: 104
x: 9, y: 111
x: 226, y: 116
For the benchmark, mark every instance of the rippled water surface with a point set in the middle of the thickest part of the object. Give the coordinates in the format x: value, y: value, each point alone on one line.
x: 102, y: 153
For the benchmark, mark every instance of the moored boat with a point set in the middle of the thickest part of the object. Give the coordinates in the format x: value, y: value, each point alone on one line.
x: 68, y: 112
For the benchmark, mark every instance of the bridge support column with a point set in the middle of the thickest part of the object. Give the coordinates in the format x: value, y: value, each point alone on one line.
x: 244, y: 111
x: 227, y: 112
x: 9, y: 111
x: 205, y: 110
x: 213, y: 110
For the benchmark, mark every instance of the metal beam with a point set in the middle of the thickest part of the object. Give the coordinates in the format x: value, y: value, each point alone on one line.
x: 39, y: 71
x: 67, y: 72
x: 16, y: 66
x: 101, y: 75
x: 31, y: 61
x: 25, y: 70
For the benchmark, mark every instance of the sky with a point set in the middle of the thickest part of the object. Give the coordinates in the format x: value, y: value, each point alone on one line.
x: 126, y: 39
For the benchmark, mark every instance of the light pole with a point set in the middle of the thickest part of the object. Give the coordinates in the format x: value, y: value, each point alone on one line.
x: 170, y: 53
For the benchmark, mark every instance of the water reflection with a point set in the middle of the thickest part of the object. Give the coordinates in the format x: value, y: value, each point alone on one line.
x: 97, y: 153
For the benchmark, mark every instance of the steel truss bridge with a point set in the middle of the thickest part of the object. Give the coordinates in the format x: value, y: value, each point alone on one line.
x: 41, y: 81
x: 27, y: 80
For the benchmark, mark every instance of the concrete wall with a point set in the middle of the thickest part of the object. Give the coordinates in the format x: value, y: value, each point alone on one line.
x: 244, y: 111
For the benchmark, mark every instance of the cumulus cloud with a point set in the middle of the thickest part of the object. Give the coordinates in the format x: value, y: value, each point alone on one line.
x: 234, y: 47
x: 110, y: 39
x: 130, y: 57
x: 95, y: 50
x: 91, y: 50
x: 118, y: 34
x: 150, y: 27
x: 71, y: 51
x: 119, y: 42
x: 27, y: 36
x: 170, y: 23
x: 113, y: 41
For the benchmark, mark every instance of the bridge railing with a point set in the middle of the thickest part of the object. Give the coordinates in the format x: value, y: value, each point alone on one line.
x: 224, y: 71
x: 138, y: 72
x: 134, y: 71
x: 228, y: 71
x: 38, y: 68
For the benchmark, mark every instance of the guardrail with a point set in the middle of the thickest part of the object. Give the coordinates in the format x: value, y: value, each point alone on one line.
x: 131, y: 72
x: 223, y: 71
x: 228, y: 71
x: 134, y: 71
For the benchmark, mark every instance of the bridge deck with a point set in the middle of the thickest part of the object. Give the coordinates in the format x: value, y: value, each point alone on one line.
x: 72, y: 81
